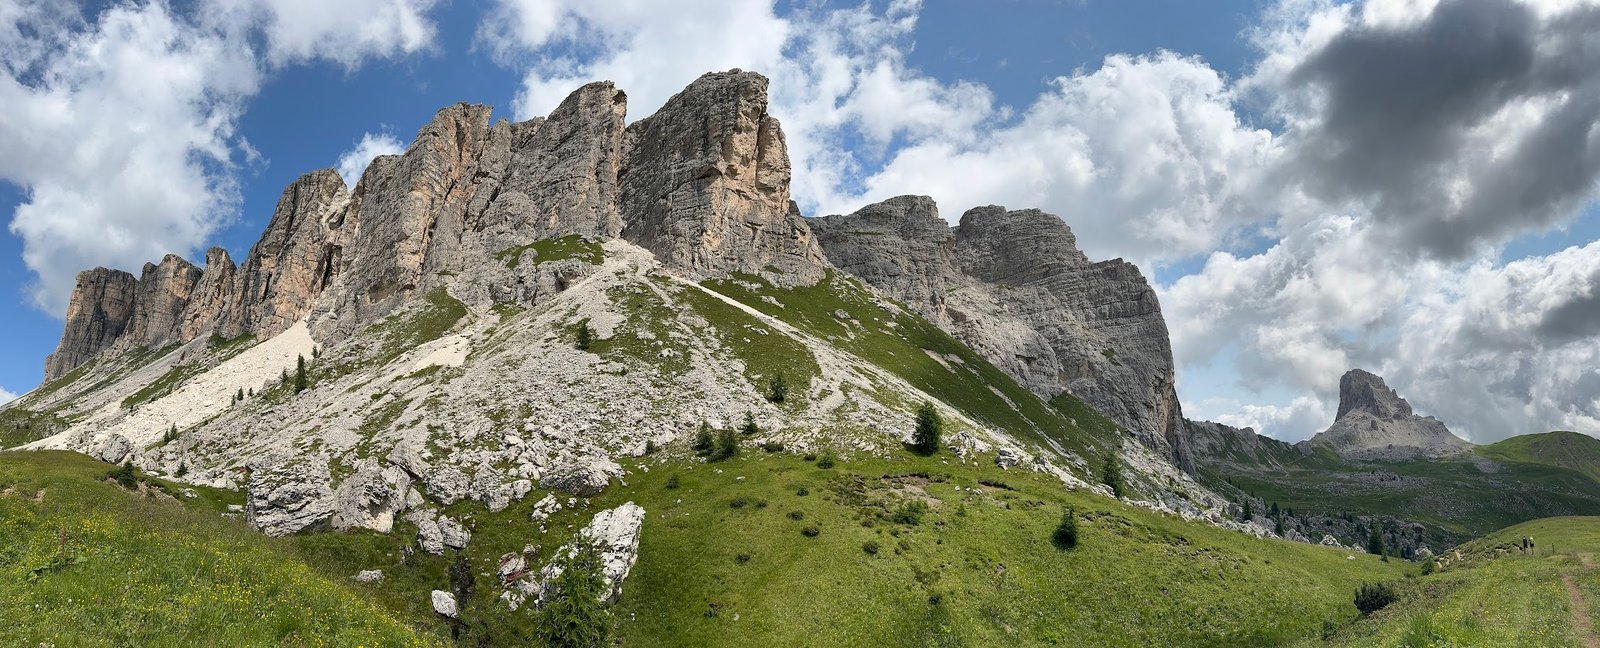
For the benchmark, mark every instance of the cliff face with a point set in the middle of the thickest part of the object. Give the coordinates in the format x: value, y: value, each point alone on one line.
x: 162, y: 294
x: 1375, y: 423
x: 1014, y: 286
x: 101, y: 305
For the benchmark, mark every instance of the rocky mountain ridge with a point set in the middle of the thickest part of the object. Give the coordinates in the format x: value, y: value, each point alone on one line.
x: 1375, y: 423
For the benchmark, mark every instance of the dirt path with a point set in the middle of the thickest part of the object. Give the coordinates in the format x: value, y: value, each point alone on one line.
x: 1580, y: 613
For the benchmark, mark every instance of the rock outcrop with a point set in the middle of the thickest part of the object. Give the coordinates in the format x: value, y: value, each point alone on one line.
x: 1014, y: 286
x: 614, y: 534
x: 163, y: 292
x: 297, y: 257
x: 705, y: 185
x: 1216, y: 443
x: 208, y: 304
x: 1375, y: 423
x: 102, y: 304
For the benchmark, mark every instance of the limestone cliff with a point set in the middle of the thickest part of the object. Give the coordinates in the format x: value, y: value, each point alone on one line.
x: 1375, y: 423
x: 1014, y: 286
x: 162, y: 294
x: 101, y: 305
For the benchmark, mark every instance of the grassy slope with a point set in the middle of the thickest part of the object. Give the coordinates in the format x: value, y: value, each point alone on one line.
x: 1579, y: 452
x: 148, y: 571
x: 1457, y: 498
x: 900, y: 342
x: 1496, y: 597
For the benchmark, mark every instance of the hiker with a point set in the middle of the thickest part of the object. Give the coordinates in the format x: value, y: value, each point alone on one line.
x: 1523, y: 547
x: 1531, y: 550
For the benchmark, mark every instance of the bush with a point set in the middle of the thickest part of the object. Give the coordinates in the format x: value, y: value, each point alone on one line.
x: 170, y: 436
x: 1111, y: 474
x: 1375, y: 541
x: 870, y: 547
x: 575, y: 615
x: 802, y: 491
x: 299, y: 374
x: 910, y: 513
x: 737, y: 502
x: 124, y: 475
x: 1372, y: 597
x: 777, y: 389
x: 584, y: 335
x: 672, y: 482
x: 825, y: 462
x: 810, y: 532
x: 930, y: 426
x: 741, y: 558
x: 650, y: 446
x: 797, y: 515
x: 1066, y: 535
x: 702, y: 438
x: 810, y: 456
x: 1429, y: 565
x: 772, y: 446
x: 727, y: 445
x: 749, y: 427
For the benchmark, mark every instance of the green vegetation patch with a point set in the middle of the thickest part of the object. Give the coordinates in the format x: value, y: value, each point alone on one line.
x: 87, y: 562
x: 556, y: 249
x: 1579, y: 452
x: 766, y: 352
x: 20, y: 426
x: 847, y: 315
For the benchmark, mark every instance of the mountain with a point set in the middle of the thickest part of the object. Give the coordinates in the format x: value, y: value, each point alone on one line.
x: 1376, y: 423
x: 1570, y: 450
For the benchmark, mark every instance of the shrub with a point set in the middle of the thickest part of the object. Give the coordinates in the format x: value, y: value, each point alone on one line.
x: 810, y: 532
x: 650, y: 446
x: 797, y: 515
x: 1249, y: 512
x: 575, y: 615
x: 802, y: 491
x: 170, y: 435
x: 1066, y: 535
x: 1375, y: 541
x: 825, y: 462
x: 737, y: 502
x: 702, y: 438
x: 777, y: 389
x: 870, y: 547
x: 299, y: 374
x: 1372, y: 597
x: 772, y: 446
x: 124, y: 475
x: 1429, y: 565
x: 930, y: 426
x: 672, y: 482
x: 910, y: 513
x: 810, y: 456
x: 741, y: 558
x: 1111, y: 474
x: 727, y: 445
x: 584, y: 335
x: 749, y: 426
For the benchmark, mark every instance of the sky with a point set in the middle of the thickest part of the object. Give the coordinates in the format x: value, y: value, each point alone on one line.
x: 1404, y: 186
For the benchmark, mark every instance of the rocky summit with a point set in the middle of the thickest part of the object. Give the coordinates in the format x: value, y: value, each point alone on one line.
x: 1374, y: 422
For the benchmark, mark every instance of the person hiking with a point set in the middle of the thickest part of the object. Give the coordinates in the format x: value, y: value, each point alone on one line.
x: 1523, y: 546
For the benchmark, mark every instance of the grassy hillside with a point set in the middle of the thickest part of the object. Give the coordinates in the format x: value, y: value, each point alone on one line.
x: 1579, y: 452
x: 724, y: 561
x: 87, y: 562
x: 1493, y: 595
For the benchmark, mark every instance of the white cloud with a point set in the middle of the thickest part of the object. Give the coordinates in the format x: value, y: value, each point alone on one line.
x: 7, y: 396
x: 120, y: 128
x: 1302, y: 417
x: 354, y: 161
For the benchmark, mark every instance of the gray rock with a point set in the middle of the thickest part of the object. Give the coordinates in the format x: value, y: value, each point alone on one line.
x: 1375, y: 423
x: 163, y: 293
x: 502, y: 496
x: 444, y: 603
x: 114, y: 449
x: 290, y: 497
x: 583, y: 476
x: 101, y: 305
x: 453, y: 534
x: 614, y: 533
x: 209, y: 301
x: 370, y: 498
x: 447, y: 484
x: 368, y: 576
x: 430, y: 538
x: 297, y: 257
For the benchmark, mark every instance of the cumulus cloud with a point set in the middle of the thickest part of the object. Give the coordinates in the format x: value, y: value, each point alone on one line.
x: 6, y: 396
x: 120, y: 127
x: 354, y: 161
x: 1291, y: 422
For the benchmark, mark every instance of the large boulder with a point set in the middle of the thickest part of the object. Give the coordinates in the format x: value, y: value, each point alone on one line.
x: 290, y: 497
x: 582, y: 476
x: 614, y: 533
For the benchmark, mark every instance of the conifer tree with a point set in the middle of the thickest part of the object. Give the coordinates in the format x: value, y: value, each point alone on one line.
x: 299, y: 374
x: 702, y: 438
x: 1112, y: 476
x: 925, y: 438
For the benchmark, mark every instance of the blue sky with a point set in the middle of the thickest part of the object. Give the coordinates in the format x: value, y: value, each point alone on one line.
x: 1188, y: 137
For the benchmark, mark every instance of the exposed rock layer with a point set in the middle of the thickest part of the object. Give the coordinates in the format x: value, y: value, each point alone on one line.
x: 1014, y: 286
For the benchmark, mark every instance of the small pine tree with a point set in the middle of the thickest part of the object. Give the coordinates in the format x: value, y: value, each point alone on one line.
x: 1278, y: 527
x: 930, y: 427
x: 576, y: 614
x: 239, y: 396
x: 649, y: 446
x: 1375, y: 541
x: 585, y: 336
x: 1066, y: 535
x: 299, y: 374
x: 171, y: 435
x: 702, y: 438
x: 749, y: 427
x: 727, y: 445
x: 1273, y: 510
x: 777, y: 389
x: 1249, y: 512
x: 1111, y: 474
x: 1429, y: 565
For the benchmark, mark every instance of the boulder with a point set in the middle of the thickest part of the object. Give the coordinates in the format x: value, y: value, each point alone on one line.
x: 368, y: 576
x: 290, y: 497
x: 114, y: 449
x: 583, y: 476
x: 370, y: 498
x: 614, y: 533
x: 444, y: 603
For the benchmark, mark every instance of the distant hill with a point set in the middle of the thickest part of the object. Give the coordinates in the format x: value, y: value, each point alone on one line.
x: 1579, y: 452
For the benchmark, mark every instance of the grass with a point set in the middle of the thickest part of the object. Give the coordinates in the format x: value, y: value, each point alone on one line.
x: 89, y: 563
x: 1495, y: 596
x: 764, y: 351
x: 918, y: 352
x: 1579, y: 452
x: 557, y: 249
x: 20, y: 426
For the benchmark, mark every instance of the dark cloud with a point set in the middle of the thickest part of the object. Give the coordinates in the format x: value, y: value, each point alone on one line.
x: 1575, y: 319
x: 1403, y: 122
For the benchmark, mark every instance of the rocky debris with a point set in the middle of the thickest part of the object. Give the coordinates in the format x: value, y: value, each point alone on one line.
x: 289, y: 497
x: 163, y: 292
x: 444, y: 603
x: 1014, y: 286
x: 435, y: 532
x: 1375, y: 424
x: 368, y: 576
x: 502, y: 496
x: 614, y: 533
x: 1008, y: 458
x: 408, y: 459
x: 102, y: 304
x: 705, y: 185
x: 447, y: 484
x: 516, y: 578
x: 581, y: 476
x: 1330, y: 541
x: 453, y: 534
x: 114, y: 449
x: 370, y: 498
x: 545, y: 508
